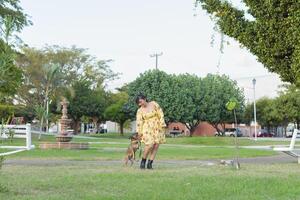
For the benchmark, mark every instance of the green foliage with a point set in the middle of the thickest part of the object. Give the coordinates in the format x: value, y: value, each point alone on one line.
x: 2, y: 187
x: 26, y: 112
x: 280, y: 111
x: 271, y: 33
x: 188, y: 98
x: 186, y: 103
x: 267, y: 114
x: 288, y: 105
x: 85, y: 101
x: 41, y: 115
x: 218, y: 90
x: 80, y: 100
x: 11, y: 134
x: 53, y: 71
x: 117, y: 111
x: 6, y: 111
x: 10, y: 75
x: 156, y: 85
x: 12, y: 19
x: 11, y: 9
x: 1, y: 161
x: 264, y: 111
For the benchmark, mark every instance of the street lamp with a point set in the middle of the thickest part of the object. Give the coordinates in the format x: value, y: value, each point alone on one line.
x: 254, y: 108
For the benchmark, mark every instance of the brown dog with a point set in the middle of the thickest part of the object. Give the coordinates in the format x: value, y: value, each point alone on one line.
x: 133, y: 147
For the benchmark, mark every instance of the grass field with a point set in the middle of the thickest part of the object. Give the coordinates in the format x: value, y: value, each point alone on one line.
x: 90, y: 174
x: 113, y: 147
x: 254, y: 182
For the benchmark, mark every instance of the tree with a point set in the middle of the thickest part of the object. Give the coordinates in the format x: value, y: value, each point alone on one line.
x: 187, y: 93
x: 98, y: 103
x: 85, y: 101
x: 10, y: 75
x: 289, y: 105
x: 79, y: 102
x: 218, y: 90
x: 10, y: 9
x: 248, y: 114
x: 12, y: 19
x: 187, y: 98
x: 117, y: 111
x: 52, y: 71
x: 156, y: 85
x: 267, y: 113
x: 271, y: 33
x: 6, y: 112
x: 277, y: 112
x: 55, y: 69
x: 40, y: 113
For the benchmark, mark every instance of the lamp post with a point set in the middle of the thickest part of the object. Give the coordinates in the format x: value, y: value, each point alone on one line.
x: 254, y: 108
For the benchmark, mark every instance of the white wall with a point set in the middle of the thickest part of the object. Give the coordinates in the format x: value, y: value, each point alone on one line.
x: 113, y: 127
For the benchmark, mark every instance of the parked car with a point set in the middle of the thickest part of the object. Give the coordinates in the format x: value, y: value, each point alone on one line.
x: 230, y: 132
x: 289, y: 130
x: 90, y: 130
x: 289, y: 133
x: 102, y: 130
x: 264, y: 133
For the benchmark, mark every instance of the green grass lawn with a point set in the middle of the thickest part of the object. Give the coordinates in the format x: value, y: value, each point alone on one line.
x: 114, y: 147
x: 208, y: 141
x: 118, y: 153
x: 252, y: 182
x: 86, y: 176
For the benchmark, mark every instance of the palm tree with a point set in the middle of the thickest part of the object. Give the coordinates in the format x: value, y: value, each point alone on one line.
x: 52, y: 81
x: 40, y: 112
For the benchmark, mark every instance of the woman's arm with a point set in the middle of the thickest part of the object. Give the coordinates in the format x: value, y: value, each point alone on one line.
x: 139, y: 122
x: 160, y: 114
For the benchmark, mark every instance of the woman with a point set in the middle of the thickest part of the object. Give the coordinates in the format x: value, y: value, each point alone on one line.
x: 150, y: 127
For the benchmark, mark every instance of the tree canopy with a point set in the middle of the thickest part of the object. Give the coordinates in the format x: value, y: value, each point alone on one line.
x: 276, y: 112
x: 218, y: 90
x: 69, y: 64
x: 187, y: 98
x: 11, y: 10
x: 12, y: 19
x: 117, y: 111
x: 271, y: 33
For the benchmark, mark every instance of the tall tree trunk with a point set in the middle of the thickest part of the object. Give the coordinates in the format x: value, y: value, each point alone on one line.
x: 95, y: 121
x: 189, y: 127
x: 76, y: 126
x: 192, y: 127
x: 122, y: 128
x: 41, y: 128
x: 216, y: 126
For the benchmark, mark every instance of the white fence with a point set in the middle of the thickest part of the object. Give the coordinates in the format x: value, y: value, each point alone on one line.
x: 19, y: 131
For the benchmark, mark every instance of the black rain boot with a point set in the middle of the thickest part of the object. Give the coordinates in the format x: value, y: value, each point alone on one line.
x: 149, y: 164
x: 143, y: 163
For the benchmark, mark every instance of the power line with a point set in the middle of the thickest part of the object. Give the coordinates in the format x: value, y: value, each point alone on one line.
x: 251, y: 77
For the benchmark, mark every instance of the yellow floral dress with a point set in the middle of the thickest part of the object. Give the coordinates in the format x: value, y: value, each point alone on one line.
x: 151, y: 125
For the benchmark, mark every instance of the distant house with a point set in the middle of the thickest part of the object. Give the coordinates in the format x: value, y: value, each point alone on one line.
x: 205, y: 129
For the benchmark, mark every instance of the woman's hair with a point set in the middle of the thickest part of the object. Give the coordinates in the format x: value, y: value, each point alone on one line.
x: 140, y: 96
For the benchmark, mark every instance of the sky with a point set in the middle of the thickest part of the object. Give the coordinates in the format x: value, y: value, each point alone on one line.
x: 128, y: 32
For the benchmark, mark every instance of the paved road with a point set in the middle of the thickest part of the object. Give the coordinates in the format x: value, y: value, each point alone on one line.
x: 281, y: 158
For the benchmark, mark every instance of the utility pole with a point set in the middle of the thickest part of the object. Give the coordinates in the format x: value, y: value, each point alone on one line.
x: 156, y: 58
x: 254, y: 108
